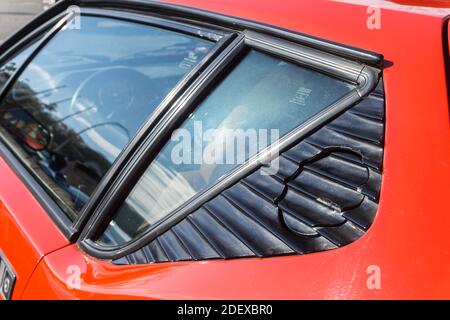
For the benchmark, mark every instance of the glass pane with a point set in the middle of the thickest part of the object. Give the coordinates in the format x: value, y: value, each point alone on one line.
x: 85, y: 95
x: 263, y: 97
x: 8, y: 69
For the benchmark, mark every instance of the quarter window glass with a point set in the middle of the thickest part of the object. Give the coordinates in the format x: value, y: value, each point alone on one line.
x: 85, y: 95
x: 263, y: 97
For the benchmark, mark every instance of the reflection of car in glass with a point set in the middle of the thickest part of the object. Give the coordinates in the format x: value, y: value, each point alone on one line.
x: 150, y: 142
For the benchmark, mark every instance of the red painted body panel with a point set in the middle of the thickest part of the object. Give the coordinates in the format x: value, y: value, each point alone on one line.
x: 27, y: 232
x: 409, y: 239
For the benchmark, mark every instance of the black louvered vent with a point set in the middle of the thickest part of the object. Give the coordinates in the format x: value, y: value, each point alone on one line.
x: 324, y: 196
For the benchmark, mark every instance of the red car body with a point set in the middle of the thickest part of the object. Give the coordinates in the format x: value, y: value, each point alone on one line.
x: 409, y: 240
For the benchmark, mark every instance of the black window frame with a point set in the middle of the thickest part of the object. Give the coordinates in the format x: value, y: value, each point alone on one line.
x: 238, y: 35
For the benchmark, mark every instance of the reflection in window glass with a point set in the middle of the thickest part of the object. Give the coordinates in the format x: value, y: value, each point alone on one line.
x: 8, y: 69
x: 261, y: 93
x: 85, y: 95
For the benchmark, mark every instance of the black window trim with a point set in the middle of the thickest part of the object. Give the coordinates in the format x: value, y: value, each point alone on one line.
x: 214, y: 35
x: 209, y: 18
x: 365, y: 77
x: 29, y: 38
x: 36, y: 26
x: 71, y: 229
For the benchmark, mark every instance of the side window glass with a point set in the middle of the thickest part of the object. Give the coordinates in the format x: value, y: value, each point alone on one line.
x: 11, y: 65
x: 262, y: 99
x: 84, y: 96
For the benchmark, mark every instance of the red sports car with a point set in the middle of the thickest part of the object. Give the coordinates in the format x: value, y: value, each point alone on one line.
x: 226, y: 149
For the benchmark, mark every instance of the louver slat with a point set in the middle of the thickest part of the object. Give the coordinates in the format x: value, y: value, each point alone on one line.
x: 194, y: 242
x: 225, y: 243
x: 257, y: 238
x: 309, y: 210
x: 326, y: 191
x: 267, y: 215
